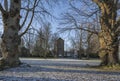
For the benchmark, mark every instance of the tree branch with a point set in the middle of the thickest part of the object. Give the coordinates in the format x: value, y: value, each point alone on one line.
x: 82, y: 13
x: 118, y: 6
x: 98, y: 2
x: 117, y: 24
x: 27, y: 13
x: 118, y: 31
x: 94, y: 32
x: 30, y: 20
x: 80, y: 28
x: 6, y: 5
x: 1, y: 8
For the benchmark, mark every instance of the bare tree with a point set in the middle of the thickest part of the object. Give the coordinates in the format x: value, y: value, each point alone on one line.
x: 47, y: 36
x: 43, y: 40
x: 110, y: 31
x: 29, y: 39
x: 17, y: 17
x: 40, y: 44
x: 107, y: 29
x: 73, y: 45
x: 53, y: 43
x: 10, y: 37
x: 92, y: 45
x: 81, y: 44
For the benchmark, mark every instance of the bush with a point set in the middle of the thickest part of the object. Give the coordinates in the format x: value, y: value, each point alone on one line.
x: 93, y: 55
x: 25, y: 52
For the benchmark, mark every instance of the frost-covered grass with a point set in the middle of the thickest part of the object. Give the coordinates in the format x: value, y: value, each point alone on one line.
x: 58, y: 70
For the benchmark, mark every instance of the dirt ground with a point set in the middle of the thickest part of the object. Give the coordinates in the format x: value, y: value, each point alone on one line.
x: 58, y: 70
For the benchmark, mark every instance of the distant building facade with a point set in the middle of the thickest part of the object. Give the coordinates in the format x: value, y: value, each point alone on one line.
x: 119, y: 50
x: 59, y: 48
x: 0, y: 47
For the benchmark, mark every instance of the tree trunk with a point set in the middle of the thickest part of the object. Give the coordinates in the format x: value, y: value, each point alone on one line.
x: 80, y: 47
x: 10, y: 38
x: 108, y: 37
x: 10, y: 51
x: 108, y: 50
x: 79, y: 55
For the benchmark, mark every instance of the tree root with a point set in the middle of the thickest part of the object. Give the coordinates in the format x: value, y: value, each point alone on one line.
x: 6, y: 65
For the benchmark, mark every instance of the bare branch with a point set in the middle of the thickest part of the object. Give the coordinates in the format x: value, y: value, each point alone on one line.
x: 30, y: 20
x: 82, y: 13
x: 27, y: 13
x: 1, y: 8
x: 118, y: 22
x: 6, y: 4
x: 98, y: 2
x: 118, y: 6
x: 73, y: 24
x: 74, y: 28
x: 117, y: 25
x: 94, y: 32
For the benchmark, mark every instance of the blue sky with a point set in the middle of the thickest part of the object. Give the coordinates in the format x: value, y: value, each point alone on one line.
x: 57, y: 10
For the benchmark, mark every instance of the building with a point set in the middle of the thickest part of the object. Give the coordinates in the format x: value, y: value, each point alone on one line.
x: 0, y: 47
x: 119, y: 51
x: 59, y: 48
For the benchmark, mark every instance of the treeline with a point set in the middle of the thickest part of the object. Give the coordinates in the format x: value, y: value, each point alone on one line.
x: 39, y: 42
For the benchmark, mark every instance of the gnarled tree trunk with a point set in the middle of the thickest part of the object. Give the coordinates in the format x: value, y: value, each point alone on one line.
x: 10, y: 38
x: 108, y: 37
x: 108, y: 49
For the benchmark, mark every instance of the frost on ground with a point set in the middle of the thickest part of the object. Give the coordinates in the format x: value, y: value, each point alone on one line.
x: 57, y: 70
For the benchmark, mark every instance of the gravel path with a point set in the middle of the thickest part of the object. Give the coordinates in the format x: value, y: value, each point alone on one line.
x: 58, y: 70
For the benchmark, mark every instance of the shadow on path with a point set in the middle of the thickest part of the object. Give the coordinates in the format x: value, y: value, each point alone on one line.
x: 13, y: 78
x: 48, y: 68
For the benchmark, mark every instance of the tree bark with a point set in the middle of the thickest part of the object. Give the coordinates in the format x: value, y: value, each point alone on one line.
x: 10, y: 38
x: 107, y: 37
x: 108, y: 50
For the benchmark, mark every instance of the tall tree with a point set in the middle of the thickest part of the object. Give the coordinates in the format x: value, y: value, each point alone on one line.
x: 92, y: 45
x: 43, y: 40
x: 110, y: 31
x: 11, y: 38
x: 40, y: 44
x: 47, y: 36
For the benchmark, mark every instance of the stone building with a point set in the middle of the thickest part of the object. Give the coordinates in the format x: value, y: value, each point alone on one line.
x: 119, y: 51
x: 59, y: 48
x: 0, y: 47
